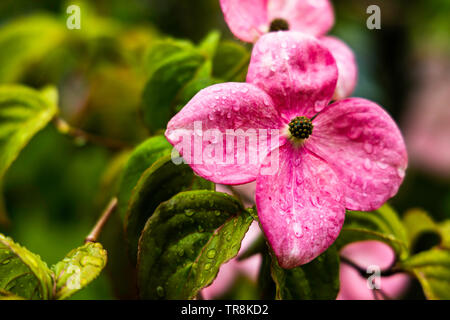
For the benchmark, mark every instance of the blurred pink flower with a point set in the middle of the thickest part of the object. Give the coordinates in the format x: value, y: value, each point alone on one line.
x: 427, y: 126
x: 354, y: 158
x: 250, y: 19
x: 365, y: 254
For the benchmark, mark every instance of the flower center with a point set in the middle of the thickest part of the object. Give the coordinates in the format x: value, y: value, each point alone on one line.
x: 279, y: 25
x: 301, y: 127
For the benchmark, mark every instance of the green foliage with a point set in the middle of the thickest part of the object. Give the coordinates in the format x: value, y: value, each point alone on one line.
x: 141, y: 159
x: 23, y: 112
x: 22, y: 273
x: 318, y: 279
x: 382, y: 225
x: 432, y: 269
x: 231, y: 62
x: 25, y: 42
x: 185, y: 242
x: 179, y: 70
x: 418, y: 222
x: 78, y: 269
x: 170, y: 76
x: 158, y: 183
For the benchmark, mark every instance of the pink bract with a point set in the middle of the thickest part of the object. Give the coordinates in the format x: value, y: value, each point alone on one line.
x: 250, y: 19
x: 365, y: 254
x: 355, y: 157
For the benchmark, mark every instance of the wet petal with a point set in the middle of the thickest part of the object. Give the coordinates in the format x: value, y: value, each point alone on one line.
x: 247, y: 19
x: 297, y: 71
x: 365, y: 147
x: 224, y: 131
x: 314, y: 17
x: 300, y: 207
x: 347, y: 67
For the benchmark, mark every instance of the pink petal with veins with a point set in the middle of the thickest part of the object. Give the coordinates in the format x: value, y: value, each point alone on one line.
x: 247, y: 19
x: 301, y: 207
x: 314, y: 17
x: 347, y: 67
x: 366, y: 149
x: 204, y: 132
x: 296, y: 70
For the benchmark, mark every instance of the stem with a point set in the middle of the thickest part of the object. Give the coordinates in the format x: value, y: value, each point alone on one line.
x: 63, y: 127
x: 384, y: 273
x: 95, y: 233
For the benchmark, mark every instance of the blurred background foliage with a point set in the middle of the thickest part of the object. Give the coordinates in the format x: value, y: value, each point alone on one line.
x: 57, y: 187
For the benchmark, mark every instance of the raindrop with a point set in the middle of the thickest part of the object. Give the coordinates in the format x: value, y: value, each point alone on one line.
x: 368, y: 147
x: 401, y: 173
x: 211, y: 253
x: 297, y: 229
x: 367, y: 164
x: 189, y: 212
x: 207, y: 266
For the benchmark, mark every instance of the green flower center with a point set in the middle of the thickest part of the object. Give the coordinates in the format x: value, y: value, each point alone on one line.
x: 279, y: 25
x: 301, y: 127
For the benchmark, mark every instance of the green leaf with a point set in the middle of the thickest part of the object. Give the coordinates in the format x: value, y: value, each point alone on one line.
x: 418, y: 222
x: 6, y: 295
x: 141, y: 159
x: 25, y: 42
x: 382, y: 225
x: 23, y: 112
x: 231, y: 61
x: 167, y: 81
x: 432, y: 269
x: 23, y: 273
x: 80, y: 267
x: 157, y: 184
x: 164, y: 50
x: 186, y: 241
x: 317, y: 280
x: 210, y: 44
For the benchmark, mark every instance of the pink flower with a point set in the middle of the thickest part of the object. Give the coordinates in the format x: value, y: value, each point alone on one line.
x: 365, y: 254
x: 349, y: 154
x: 427, y: 129
x: 250, y: 19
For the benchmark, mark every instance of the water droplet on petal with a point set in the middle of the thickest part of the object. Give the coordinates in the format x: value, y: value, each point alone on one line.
x: 297, y: 229
x: 368, y: 147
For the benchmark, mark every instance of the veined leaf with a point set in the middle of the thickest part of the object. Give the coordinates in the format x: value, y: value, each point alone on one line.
x: 23, y: 112
x: 186, y: 241
x: 432, y: 269
x: 316, y: 280
x: 161, y: 93
x: 382, y: 225
x: 157, y: 184
x: 22, y: 273
x: 418, y: 222
x: 141, y: 159
x: 80, y: 267
x: 231, y: 61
